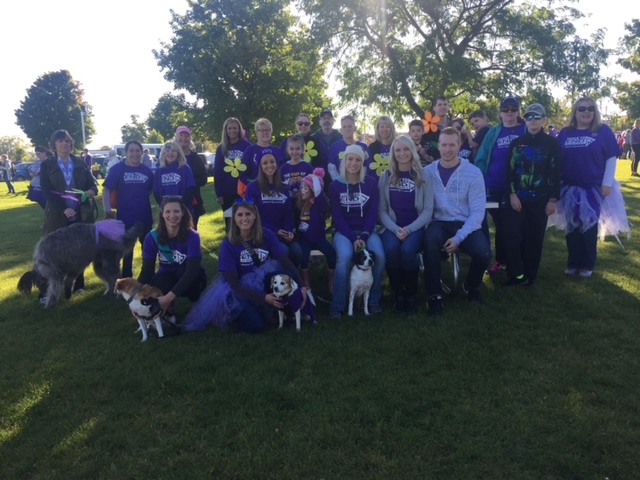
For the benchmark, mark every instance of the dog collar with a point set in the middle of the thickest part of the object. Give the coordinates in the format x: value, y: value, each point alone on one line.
x: 360, y: 268
x: 133, y: 295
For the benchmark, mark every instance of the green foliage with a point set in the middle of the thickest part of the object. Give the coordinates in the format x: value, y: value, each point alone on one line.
x: 254, y: 59
x: 16, y: 148
x: 154, y: 137
x: 53, y: 102
x: 136, y: 130
x: 164, y: 118
x: 399, y: 55
x: 628, y: 98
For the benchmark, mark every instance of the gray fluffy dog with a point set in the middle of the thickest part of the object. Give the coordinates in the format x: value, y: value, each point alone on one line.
x: 61, y: 256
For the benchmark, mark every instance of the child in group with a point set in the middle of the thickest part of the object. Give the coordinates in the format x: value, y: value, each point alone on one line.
x: 295, y: 169
x: 416, y: 132
x: 314, y: 207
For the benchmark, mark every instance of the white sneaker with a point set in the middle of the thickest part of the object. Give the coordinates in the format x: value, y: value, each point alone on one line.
x: 79, y: 291
x: 571, y: 271
x: 584, y: 273
x: 43, y: 300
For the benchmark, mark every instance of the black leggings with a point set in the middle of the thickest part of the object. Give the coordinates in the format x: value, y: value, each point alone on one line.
x: 636, y: 157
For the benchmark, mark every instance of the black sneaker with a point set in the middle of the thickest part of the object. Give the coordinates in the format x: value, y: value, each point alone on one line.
x: 473, y: 295
x: 436, y: 306
x: 411, y: 305
x: 515, y: 281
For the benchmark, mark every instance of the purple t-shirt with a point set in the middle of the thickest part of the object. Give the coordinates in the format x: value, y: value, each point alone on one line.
x: 465, y: 151
x: 276, y: 209
x: 181, y: 251
x: 236, y: 258
x: 251, y: 156
x: 134, y: 186
x: 378, y: 162
x: 225, y: 184
x: 584, y: 155
x: 312, y: 224
x: 402, y: 200
x: 496, y: 177
x: 292, y: 174
x: 336, y: 152
x: 446, y: 173
x: 173, y: 180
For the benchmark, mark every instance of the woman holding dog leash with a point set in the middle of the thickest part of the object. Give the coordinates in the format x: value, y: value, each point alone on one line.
x: 69, y: 187
x: 246, y: 262
x: 354, y: 208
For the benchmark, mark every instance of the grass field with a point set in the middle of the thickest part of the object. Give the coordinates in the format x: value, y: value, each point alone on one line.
x: 539, y: 383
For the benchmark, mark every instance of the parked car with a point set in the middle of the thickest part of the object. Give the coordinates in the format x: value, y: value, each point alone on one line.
x: 23, y: 172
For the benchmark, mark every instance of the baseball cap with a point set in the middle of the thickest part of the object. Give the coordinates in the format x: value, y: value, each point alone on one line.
x: 536, y: 108
x: 183, y: 129
x: 511, y: 100
x: 326, y: 111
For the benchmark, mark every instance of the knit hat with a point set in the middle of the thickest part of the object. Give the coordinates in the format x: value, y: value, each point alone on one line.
x: 356, y: 149
x: 315, y: 181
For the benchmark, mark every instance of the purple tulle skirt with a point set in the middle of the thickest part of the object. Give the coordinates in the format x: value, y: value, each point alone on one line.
x: 111, y: 229
x: 582, y: 208
x: 218, y: 304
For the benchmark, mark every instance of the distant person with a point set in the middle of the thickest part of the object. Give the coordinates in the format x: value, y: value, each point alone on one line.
x: 198, y: 168
x: 146, y: 158
x: 551, y: 131
x: 481, y: 125
x: 326, y: 133
x: 635, y: 147
x: 35, y: 190
x: 7, y: 169
x: 626, y: 148
x: 88, y: 159
x: 112, y: 159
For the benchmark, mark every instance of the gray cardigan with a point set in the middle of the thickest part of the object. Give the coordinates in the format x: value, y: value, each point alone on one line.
x: 423, y: 204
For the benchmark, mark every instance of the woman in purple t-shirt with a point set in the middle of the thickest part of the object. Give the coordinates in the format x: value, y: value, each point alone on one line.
x: 589, y: 156
x: 173, y: 176
x: 245, y: 262
x: 176, y: 246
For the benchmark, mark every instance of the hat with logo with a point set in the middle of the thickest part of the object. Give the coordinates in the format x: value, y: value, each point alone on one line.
x: 536, y: 109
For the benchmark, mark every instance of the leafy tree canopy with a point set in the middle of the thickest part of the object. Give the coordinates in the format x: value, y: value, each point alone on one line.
x: 398, y: 55
x: 53, y: 102
x: 628, y: 98
x: 246, y: 59
x: 16, y: 148
x: 136, y: 130
x: 165, y: 116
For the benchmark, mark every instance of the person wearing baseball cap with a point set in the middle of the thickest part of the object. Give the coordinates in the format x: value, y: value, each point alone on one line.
x: 492, y: 162
x: 326, y: 134
x: 533, y: 174
x: 198, y: 167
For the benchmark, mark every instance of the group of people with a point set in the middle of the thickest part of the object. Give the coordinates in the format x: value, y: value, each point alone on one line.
x: 629, y: 141
x: 400, y: 197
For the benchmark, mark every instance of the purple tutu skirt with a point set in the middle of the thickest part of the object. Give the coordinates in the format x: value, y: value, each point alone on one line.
x: 111, y: 229
x: 582, y: 208
x: 218, y: 304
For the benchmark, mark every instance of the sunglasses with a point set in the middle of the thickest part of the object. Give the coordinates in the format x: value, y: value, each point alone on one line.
x: 242, y: 201
x: 533, y: 116
x: 509, y: 110
x: 586, y: 109
x: 168, y: 147
x: 304, y: 124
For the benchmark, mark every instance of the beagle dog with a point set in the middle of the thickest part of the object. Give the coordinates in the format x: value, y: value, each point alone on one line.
x: 361, y: 278
x: 144, y: 305
x: 286, y: 289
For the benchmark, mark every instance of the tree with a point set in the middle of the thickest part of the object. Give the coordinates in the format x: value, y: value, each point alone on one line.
x: 628, y: 97
x: 53, y: 102
x: 253, y: 60
x: 136, y: 130
x: 163, y: 116
x: 401, y: 54
x: 154, y: 137
x: 16, y: 148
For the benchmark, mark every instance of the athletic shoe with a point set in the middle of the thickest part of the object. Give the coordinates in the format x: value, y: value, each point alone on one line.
x: 496, y: 269
x: 584, y: 273
x: 79, y: 291
x: 515, y: 281
x: 43, y: 300
x: 436, y: 306
x: 570, y: 271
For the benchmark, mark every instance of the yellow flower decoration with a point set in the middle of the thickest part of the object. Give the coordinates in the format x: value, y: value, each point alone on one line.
x: 309, y: 151
x: 380, y: 164
x: 234, y: 167
x: 430, y: 122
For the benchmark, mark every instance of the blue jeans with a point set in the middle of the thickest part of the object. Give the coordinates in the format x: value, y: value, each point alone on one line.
x: 582, y: 248
x: 475, y: 245
x: 324, y: 246
x: 402, y: 255
x: 294, y: 251
x: 344, y: 251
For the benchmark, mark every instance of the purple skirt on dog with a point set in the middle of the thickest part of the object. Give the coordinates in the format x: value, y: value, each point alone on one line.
x: 111, y: 229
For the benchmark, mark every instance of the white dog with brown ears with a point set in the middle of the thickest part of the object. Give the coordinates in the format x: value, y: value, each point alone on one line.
x: 286, y: 289
x: 144, y: 305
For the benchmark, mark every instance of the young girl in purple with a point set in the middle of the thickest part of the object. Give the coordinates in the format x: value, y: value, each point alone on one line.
x: 337, y: 149
x: 380, y: 149
x: 228, y: 157
x: 296, y: 168
x: 248, y: 256
x: 274, y: 203
x: 589, y: 195
x: 173, y: 176
x: 132, y: 181
x: 354, y: 208
x: 176, y: 247
x: 314, y: 209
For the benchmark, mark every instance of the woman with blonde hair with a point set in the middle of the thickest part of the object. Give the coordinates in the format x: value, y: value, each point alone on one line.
x: 173, y: 176
x: 381, y: 148
x: 406, y: 207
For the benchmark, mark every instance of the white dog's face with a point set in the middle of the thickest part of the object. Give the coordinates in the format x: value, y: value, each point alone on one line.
x: 283, y: 285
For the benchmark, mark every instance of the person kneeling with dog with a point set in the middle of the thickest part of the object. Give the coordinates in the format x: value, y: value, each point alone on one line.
x: 176, y: 245
x: 247, y: 264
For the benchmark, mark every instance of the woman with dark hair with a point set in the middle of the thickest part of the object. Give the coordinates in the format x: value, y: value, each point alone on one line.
x: 589, y: 193
x: 176, y: 246
x: 246, y: 263
x: 35, y: 190
x: 466, y: 151
x: 228, y: 158
x: 69, y: 187
x: 128, y: 188
x: 174, y: 176
x: 406, y: 207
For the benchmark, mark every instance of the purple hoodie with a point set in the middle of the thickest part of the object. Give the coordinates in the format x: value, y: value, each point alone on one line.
x: 354, y: 207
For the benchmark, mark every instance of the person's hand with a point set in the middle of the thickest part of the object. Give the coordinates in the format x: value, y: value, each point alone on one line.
x: 550, y: 209
x: 274, y: 301
x: 605, y: 190
x: 515, y: 202
x: 165, y: 300
x: 109, y: 215
x: 402, y: 234
x: 69, y: 213
x: 450, y: 245
x: 90, y: 193
x: 358, y: 244
x: 285, y: 235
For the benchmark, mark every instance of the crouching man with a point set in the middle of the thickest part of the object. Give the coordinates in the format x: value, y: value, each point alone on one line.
x: 458, y: 210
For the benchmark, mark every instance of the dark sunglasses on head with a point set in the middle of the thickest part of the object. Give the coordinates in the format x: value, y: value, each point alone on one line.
x: 533, y: 116
x: 587, y: 109
x: 303, y: 124
x: 168, y: 147
x: 240, y: 201
x: 509, y: 110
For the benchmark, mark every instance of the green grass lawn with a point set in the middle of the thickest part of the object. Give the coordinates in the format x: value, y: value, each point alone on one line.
x: 539, y: 383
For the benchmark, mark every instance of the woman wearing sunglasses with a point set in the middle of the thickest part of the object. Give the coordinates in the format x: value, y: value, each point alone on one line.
x: 590, y: 195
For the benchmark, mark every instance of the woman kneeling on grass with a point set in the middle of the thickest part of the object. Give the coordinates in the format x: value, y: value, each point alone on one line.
x: 246, y: 261
x: 176, y: 245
